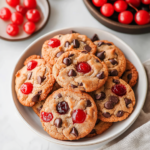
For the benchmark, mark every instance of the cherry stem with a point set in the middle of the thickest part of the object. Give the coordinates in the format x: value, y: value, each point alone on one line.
x: 133, y: 7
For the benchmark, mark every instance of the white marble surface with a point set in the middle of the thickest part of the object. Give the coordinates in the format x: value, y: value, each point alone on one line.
x: 14, y: 135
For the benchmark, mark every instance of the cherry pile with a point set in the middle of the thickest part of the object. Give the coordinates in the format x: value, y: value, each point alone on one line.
x: 125, y: 11
x: 17, y: 18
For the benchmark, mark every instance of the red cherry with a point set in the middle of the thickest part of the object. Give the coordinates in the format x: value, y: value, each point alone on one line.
x: 146, y: 2
x: 120, y: 6
x: 135, y: 3
x: 142, y: 17
x: 46, y: 117
x: 5, y: 13
x: 62, y: 107
x: 99, y: 3
x: 13, y: 3
x: 26, y: 88
x: 20, y: 9
x: 119, y: 89
x: 83, y: 67
x: 78, y: 116
x: 17, y: 18
x: 29, y: 4
x: 29, y: 27
x: 12, y: 29
x: 33, y: 15
x: 125, y: 17
x: 54, y: 42
x: 31, y: 65
x: 107, y: 10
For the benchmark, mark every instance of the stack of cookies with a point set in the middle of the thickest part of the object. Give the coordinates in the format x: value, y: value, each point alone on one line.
x: 79, y: 86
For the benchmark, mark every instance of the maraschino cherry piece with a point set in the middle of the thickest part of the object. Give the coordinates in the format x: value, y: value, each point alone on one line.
x: 46, y: 117
x: 78, y: 116
x: 26, y: 88
x: 83, y: 67
x: 119, y: 89
x: 54, y: 42
x: 31, y: 65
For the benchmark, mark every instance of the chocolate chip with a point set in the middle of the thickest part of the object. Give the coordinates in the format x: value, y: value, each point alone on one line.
x: 58, y: 96
x: 35, y: 98
x: 100, y: 44
x: 116, y: 81
x: 72, y: 31
x: 58, y: 122
x: 73, y: 86
x: 97, y: 121
x: 106, y: 114
x: 101, y: 55
x: 129, y: 76
x: 88, y: 103
x: 85, y: 52
x: 113, y: 61
x: 67, y: 61
x: 29, y: 75
x: 101, y: 75
x: 80, y: 84
x: 39, y: 109
x: 94, y: 38
x: 59, y: 54
x: 74, y: 131
x: 40, y: 79
x: 97, y: 60
x: 114, y: 99
x: 109, y: 44
x: 127, y: 101
x: 87, y: 48
x: 120, y: 113
x: 40, y: 92
x: 72, y: 73
x: 113, y: 72
x: 109, y: 105
x: 76, y: 43
x: 70, y: 55
x: 67, y: 44
x: 100, y: 96
x: 93, y: 131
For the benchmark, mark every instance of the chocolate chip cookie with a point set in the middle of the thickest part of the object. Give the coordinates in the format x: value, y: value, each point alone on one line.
x: 52, y: 49
x: 99, y: 128
x: 68, y: 115
x: 112, y: 56
x: 34, y: 81
x: 115, y: 100
x: 130, y: 75
x: 80, y: 70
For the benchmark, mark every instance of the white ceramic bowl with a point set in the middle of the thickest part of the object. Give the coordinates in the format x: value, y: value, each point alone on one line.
x: 32, y: 120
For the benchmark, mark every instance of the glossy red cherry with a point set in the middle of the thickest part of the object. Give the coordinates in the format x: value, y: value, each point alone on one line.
x: 54, y: 42
x: 31, y: 65
x: 120, y: 6
x: 13, y: 3
x: 135, y: 3
x: 146, y: 2
x: 17, y: 18
x: 83, y: 67
x: 107, y: 10
x: 119, y: 89
x: 99, y: 3
x: 62, y: 107
x: 125, y: 17
x: 12, y: 29
x: 26, y: 88
x: 46, y: 117
x: 33, y: 15
x: 21, y: 9
x: 78, y: 116
x: 29, y: 27
x: 5, y: 13
x: 142, y: 17
x: 29, y: 4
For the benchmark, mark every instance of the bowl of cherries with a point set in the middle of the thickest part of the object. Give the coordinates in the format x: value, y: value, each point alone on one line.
x: 127, y: 16
x: 19, y: 19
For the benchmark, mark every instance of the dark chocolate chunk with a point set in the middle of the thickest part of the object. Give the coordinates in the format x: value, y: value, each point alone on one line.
x: 80, y: 84
x: 116, y: 81
x: 100, y: 96
x: 101, y: 55
x: 109, y: 105
x: 113, y: 61
x: 106, y: 114
x: 74, y: 131
x: 88, y: 103
x: 72, y: 31
x: 114, y: 99
x: 67, y: 44
x: 87, y: 48
x: 70, y: 55
x: 40, y: 92
x: 100, y: 44
x: 113, y: 72
x: 120, y: 113
x: 73, y: 86
x: 94, y: 38
x: 72, y: 73
x: 40, y: 79
x: 58, y: 122
x: 101, y: 75
x: 59, y: 54
x: 67, y: 61
x: 58, y: 96
x: 93, y: 131
x: 35, y: 98
x: 76, y: 43
x: 85, y: 52
x: 29, y: 75
x: 127, y: 101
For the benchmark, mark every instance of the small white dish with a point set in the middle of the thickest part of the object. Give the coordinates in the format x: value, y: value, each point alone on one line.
x: 33, y: 122
x: 44, y: 8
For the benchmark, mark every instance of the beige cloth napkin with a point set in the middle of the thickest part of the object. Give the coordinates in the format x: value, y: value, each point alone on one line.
x: 137, y: 137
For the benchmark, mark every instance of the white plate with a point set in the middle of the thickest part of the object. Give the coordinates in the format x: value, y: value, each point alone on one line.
x: 44, y: 8
x: 33, y: 122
